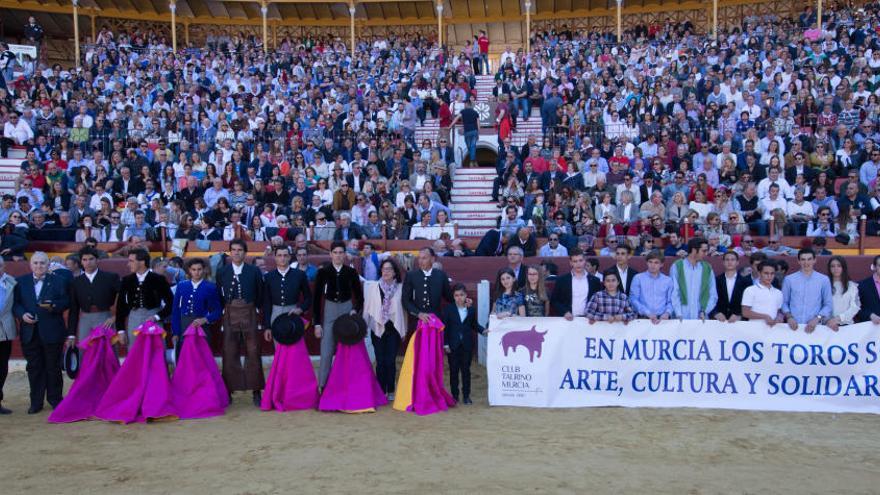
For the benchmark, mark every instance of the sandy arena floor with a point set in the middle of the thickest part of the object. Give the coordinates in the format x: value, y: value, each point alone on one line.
x: 473, y: 449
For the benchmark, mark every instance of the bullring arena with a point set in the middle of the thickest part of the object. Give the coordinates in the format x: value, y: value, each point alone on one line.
x: 648, y: 228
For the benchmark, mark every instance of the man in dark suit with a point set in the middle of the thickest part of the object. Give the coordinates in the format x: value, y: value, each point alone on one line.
x: 869, y: 297
x: 731, y: 286
x: 126, y: 185
x: 514, y: 262
x: 346, y: 230
x: 40, y: 301
x: 460, y: 323
x: 92, y: 295
x: 573, y: 290
x: 447, y: 154
x: 625, y: 273
x: 492, y: 244
x: 425, y: 287
x: 525, y: 240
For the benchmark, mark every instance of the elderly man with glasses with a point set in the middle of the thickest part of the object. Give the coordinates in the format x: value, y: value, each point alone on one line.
x: 553, y: 248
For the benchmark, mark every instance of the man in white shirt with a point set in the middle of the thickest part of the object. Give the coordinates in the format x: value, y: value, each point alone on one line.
x: 772, y: 202
x: 762, y: 301
x: 774, y: 176
x: 17, y: 132
x: 553, y: 248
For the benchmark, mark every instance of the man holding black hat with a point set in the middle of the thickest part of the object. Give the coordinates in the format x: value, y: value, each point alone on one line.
x: 338, y: 291
x: 241, y: 287
x: 286, y: 290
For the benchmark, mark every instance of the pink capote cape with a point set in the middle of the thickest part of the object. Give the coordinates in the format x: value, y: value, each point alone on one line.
x: 352, y: 384
x: 141, y: 390
x: 98, y: 367
x: 197, y: 389
x: 420, y: 387
x: 291, y: 384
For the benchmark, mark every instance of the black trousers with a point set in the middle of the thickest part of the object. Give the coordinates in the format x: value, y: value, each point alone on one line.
x: 386, y: 349
x: 5, y: 352
x: 184, y: 324
x: 460, y: 365
x: 5, y: 143
x: 43, y: 370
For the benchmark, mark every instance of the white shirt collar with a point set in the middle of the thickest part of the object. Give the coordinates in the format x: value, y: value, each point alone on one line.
x: 91, y: 276
x: 196, y: 284
x: 237, y: 269
x: 428, y: 273
x: 284, y: 273
x: 140, y: 277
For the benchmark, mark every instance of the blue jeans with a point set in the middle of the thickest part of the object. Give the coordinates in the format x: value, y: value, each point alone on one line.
x: 522, y: 104
x: 470, y: 139
x: 484, y: 62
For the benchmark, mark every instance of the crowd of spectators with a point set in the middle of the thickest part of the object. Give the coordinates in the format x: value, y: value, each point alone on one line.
x: 663, y: 137
x: 769, y: 129
x: 225, y: 141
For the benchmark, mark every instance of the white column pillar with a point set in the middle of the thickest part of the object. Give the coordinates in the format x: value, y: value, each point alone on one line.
x: 619, y: 21
x: 173, y: 7
x: 351, y: 10
x: 264, y: 10
x: 528, y: 5
x: 483, y: 309
x: 439, y: 23
x: 76, y: 32
x: 715, y: 19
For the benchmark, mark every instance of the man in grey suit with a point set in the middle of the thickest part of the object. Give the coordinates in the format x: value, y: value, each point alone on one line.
x: 7, y: 327
x: 324, y: 230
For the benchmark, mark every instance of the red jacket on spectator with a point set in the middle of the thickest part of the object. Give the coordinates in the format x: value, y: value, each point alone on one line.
x: 539, y: 164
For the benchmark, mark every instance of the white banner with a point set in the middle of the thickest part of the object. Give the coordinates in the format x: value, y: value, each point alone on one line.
x: 551, y: 362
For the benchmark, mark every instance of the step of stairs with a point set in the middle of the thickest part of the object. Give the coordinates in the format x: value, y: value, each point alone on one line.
x: 466, y: 207
x: 473, y: 232
x: 472, y: 204
x: 10, y: 168
x: 477, y: 215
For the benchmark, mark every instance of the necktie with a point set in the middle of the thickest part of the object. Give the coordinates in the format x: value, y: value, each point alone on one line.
x: 38, y: 286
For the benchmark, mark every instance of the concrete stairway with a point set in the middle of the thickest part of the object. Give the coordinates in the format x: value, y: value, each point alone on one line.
x: 471, y: 202
x: 10, y: 168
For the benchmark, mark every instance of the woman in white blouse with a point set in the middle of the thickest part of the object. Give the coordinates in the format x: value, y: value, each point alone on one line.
x: 387, y: 321
x: 844, y: 292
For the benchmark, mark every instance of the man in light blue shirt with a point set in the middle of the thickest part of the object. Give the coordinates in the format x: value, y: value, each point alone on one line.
x: 868, y: 170
x: 693, y: 284
x: 806, y: 296
x: 511, y: 223
x: 651, y: 291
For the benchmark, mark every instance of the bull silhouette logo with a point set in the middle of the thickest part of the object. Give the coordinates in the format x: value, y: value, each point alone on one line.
x: 530, y: 339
